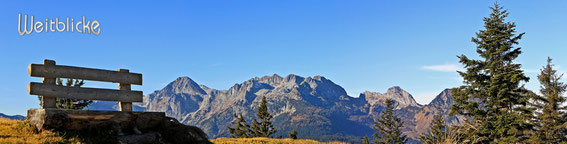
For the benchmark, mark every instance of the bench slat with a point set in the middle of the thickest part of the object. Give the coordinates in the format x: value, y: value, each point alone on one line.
x: 60, y: 71
x: 50, y: 90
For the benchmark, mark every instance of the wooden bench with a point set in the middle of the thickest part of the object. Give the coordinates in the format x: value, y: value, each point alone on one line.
x: 52, y: 118
x: 49, y: 91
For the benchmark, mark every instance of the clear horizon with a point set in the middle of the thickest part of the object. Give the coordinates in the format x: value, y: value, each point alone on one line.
x: 361, y: 46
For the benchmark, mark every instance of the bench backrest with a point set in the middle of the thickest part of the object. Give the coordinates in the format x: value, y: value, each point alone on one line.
x: 49, y: 90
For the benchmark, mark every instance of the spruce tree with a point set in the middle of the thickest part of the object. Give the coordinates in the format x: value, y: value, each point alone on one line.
x: 77, y: 104
x: 263, y: 126
x: 241, y: 128
x: 293, y: 134
x: 63, y: 103
x: 550, y: 124
x: 492, y: 94
x: 388, y: 127
x: 437, y: 132
x: 365, y: 140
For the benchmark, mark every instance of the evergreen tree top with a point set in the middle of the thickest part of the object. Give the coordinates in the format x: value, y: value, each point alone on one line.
x: 389, y: 126
x: 493, y: 94
x: 263, y: 126
x: 550, y: 123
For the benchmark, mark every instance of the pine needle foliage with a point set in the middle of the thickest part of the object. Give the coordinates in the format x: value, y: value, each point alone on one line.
x: 437, y: 133
x: 365, y: 140
x: 64, y: 103
x: 550, y: 122
x: 293, y: 134
x: 493, y: 94
x: 262, y: 127
x: 389, y: 126
x: 241, y: 128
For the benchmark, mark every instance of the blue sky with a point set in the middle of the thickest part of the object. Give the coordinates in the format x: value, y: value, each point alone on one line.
x: 361, y: 45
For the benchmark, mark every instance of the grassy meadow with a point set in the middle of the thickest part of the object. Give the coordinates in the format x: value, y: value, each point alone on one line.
x: 15, y: 131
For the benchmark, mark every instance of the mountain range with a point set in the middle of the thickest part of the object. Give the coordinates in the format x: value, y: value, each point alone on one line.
x: 315, y: 106
x: 13, y: 117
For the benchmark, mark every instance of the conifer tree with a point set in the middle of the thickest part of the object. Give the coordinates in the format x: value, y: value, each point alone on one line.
x: 550, y: 122
x: 293, y: 134
x: 241, y: 128
x: 492, y: 95
x: 77, y: 104
x: 63, y: 103
x: 388, y: 127
x: 365, y: 140
x: 263, y: 126
x: 437, y: 132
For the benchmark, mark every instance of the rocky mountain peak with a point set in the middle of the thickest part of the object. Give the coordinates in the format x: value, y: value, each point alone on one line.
x: 395, y: 89
x: 400, y: 96
x: 442, y: 100
x: 272, y: 80
x: 318, y: 77
x: 294, y: 78
x: 184, y: 85
x: 314, y: 103
x: 440, y: 105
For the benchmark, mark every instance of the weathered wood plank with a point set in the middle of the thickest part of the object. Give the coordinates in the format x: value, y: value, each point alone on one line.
x: 84, y: 93
x: 60, y: 71
x: 46, y: 101
x: 125, y: 106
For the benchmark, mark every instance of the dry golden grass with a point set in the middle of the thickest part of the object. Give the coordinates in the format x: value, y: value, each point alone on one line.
x: 21, y: 132
x: 15, y: 131
x: 268, y: 141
